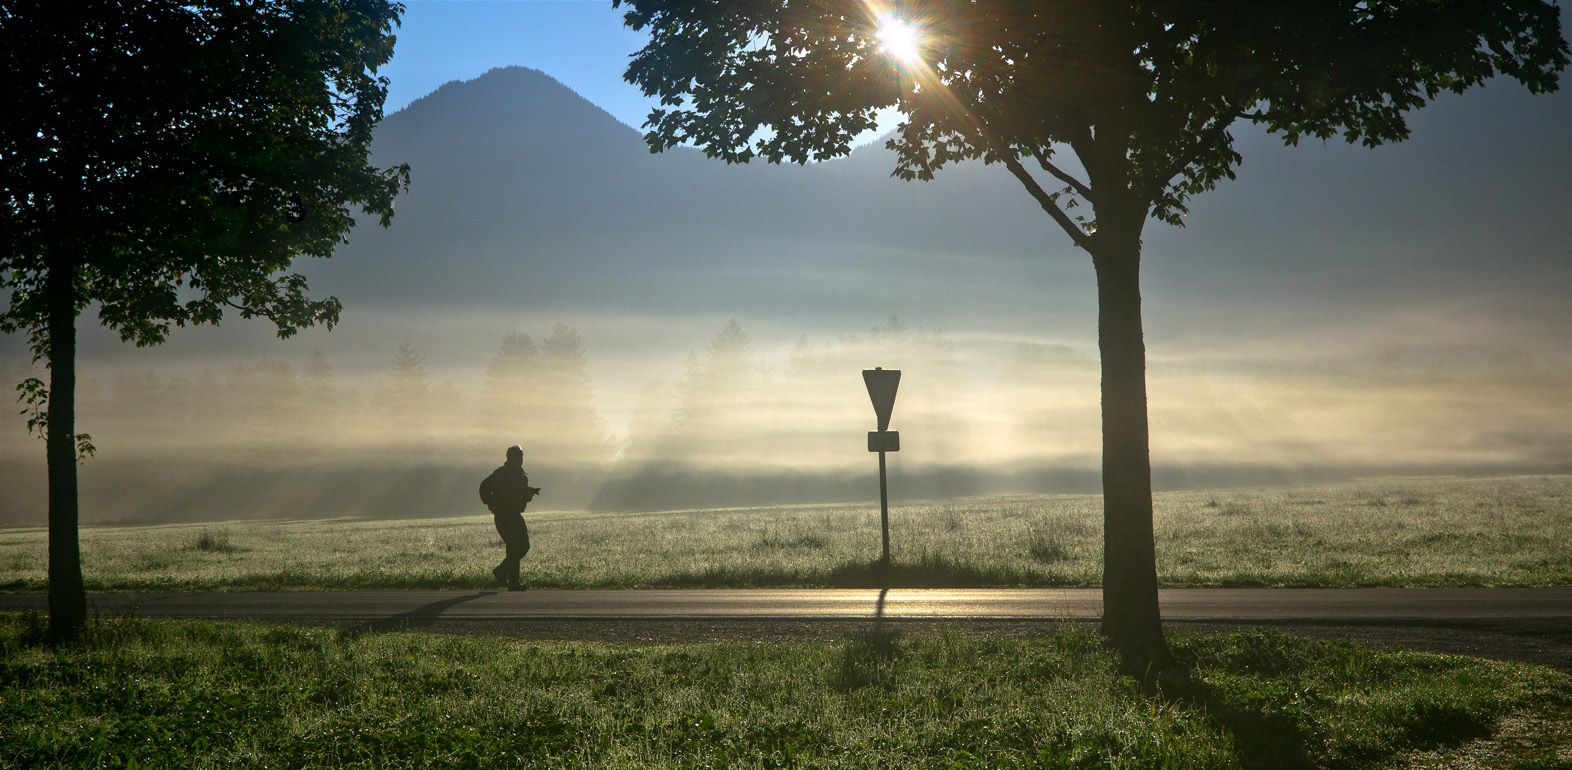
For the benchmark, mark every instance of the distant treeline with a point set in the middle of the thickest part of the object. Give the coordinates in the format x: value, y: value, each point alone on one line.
x: 273, y: 439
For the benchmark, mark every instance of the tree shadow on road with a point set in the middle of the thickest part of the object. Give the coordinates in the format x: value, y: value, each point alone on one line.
x: 422, y: 616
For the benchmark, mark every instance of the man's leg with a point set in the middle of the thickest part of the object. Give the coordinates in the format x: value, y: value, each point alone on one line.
x: 516, y: 535
x: 518, y: 548
x: 506, y: 570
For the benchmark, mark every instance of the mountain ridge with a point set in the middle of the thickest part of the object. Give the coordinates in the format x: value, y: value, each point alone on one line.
x: 514, y: 173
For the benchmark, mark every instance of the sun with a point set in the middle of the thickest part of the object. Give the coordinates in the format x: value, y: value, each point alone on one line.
x: 901, y: 40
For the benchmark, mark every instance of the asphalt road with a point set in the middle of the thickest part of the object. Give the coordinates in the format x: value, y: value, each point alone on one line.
x: 1193, y: 604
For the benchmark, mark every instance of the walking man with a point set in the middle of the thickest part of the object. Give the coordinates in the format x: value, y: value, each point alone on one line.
x: 506, y: 492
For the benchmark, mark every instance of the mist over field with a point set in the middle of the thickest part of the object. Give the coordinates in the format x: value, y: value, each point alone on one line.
x: 278, y: 438
x: 665, y: 331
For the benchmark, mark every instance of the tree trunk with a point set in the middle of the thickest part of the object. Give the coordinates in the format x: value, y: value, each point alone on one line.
x: 1131, y: 621
x: 67, y: 600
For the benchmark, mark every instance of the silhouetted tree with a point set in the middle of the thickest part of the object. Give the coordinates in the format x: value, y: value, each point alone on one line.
x: 182, y: 401
x: 541, y: 398
x: 317, y: 377
x: 165, y: 160
x: 719, y: 393
x: 140, y: 394
x: 1144, y: 95
x: 507, y: 392
x: 262, y: 404
x: 569, y: 425
x: 404, y: 399
x: 352, y: 408
x: 408, y: 379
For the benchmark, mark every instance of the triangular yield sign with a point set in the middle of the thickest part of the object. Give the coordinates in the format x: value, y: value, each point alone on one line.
x: 881, y: 388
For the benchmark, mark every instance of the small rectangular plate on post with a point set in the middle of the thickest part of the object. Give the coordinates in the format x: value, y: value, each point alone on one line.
x: 884, y: 441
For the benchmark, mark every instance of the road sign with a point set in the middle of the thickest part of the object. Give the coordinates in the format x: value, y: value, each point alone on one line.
x: 881, y: 384
x: 884, y: 441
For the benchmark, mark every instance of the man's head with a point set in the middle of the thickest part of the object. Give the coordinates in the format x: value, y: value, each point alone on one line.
x: 515, y: 455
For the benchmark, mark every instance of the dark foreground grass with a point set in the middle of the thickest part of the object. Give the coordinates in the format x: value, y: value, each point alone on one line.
x: 152, y: 693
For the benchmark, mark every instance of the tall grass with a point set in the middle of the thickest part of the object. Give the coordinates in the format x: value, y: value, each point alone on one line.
x: 144, y: 693
x: 1394, y: 532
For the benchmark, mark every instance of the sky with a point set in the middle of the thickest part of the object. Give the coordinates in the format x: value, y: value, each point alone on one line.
x: 582, y: 43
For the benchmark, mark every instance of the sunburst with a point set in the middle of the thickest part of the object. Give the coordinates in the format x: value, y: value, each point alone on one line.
x: 901, y: 40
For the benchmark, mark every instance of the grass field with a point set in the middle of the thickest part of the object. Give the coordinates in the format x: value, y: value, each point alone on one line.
x: 148, y: 693
x: 1391, y: 532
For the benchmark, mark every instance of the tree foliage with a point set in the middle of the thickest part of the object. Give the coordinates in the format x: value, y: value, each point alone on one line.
x: 164, y: 161
x: 1144, y: 94
x: 181, y: 154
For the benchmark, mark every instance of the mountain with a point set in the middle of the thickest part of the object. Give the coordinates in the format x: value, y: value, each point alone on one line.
x: 524, y: 193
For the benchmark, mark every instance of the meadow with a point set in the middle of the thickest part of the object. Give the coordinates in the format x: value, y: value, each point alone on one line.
x: 159, y: 693
x: 1513, y: 531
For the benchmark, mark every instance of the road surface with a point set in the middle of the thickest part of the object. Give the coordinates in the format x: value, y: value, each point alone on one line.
x: 1192, y: 604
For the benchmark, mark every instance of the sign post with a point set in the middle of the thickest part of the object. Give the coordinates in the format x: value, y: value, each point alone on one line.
x: 882, y: 384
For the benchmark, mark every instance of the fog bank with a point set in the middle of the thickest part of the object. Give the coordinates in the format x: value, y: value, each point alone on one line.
x: 740, y: 422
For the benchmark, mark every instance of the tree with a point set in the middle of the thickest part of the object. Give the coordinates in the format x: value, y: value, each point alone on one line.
x: 317, y: 377
x: 262, y: 401
x: 720, y: 393
x: 1143, y: 95
x: 507, y: 393
x: 165, y: 161
x: 573, y: 430
x: 404, y: 399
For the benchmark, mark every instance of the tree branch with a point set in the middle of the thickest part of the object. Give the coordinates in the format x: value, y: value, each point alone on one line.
x: 1045, y: 200
x: 1058, y: 173
x: 1182, y: 160
x: 1012, y: 161
x: 247, y: 311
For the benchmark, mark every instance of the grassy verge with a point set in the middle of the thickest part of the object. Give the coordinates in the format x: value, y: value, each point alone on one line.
x: 1413, y: 532
x: 147, y: 693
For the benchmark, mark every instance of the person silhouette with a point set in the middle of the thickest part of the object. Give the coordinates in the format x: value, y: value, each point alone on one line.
x: 506, y: 492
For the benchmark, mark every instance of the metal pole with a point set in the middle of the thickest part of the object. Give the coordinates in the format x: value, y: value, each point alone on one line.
x: 884, y: 507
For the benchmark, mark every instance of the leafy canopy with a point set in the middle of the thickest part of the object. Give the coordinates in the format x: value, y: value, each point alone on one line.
x: 176, y: 156
x: 1143, y: 93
